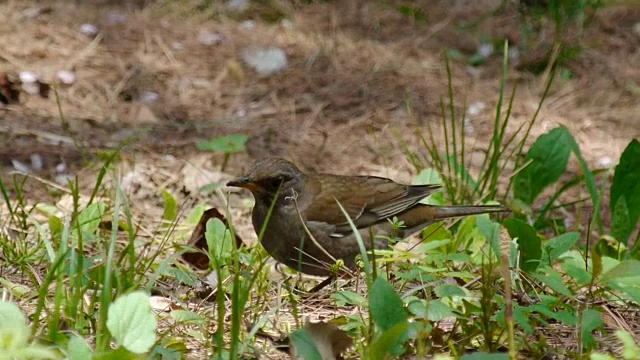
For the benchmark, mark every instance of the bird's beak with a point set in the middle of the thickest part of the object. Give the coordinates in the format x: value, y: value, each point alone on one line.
x: 243, y: 182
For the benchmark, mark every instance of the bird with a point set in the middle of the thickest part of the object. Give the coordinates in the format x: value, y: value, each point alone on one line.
x: 299, y: 221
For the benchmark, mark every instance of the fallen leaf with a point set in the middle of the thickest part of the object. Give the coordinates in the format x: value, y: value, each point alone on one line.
x: 199, y: 259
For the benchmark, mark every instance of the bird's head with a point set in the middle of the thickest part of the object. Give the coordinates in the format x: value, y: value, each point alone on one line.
x: 267, y: 176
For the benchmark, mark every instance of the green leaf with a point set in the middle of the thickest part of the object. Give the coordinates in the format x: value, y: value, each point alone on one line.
x: 521, y: 317
x: 467, y: 231
x: 626, y: 183
x: 630, y: 350
x: 553, y: 280
x: 432, y: 310
x: 132, y: 323
x: 187, y: 317
x: 528, y: 242
x: 433, y: 244
x: 389, y: 342
x: 549, y: 309
x: 219, y: 242
x: 491, y: 231
x: 590, y: 321
x: 345, y: 297
x: 627, y: 268
x: 621, y: 225
x: 90, y: 217
x: 447, y: 290
x: 227, y: 144
x: 305, y: 346
x: 589, y: 180
x: 120, y: 353
x: 417, y: 307
x: 78, y: 348
x: 386, y: 306
x: 548, y: 159
x: 14, y: 332
x: 430, y: 176
x: 170, y: 207
x: 437, y: 310
x: 16, y: 290
x: 577, y: 273
x: 561, y: 244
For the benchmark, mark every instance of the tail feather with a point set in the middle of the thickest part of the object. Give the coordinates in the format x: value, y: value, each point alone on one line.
x: 444, y: 212
x: 421, y: 216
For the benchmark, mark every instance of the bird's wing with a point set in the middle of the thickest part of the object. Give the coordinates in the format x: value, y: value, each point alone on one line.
x: 366, y: 199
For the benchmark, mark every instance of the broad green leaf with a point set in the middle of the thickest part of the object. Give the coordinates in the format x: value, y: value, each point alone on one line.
x: 78, y: 348
x: 219, y: 241
x: 432, y: 310
x: 436, y: 232
x: 90, y: 217
x: 626, y: 183
x: 432, y: 244
x: 447, y: 290
x: 528, y: 242
x: 491, y: 232
x: 553, y: 280
x: 436, y: 310
x: 621, y: 226
x: 549, y: 310
x: 577, y: 273
x: 600, y: 356
x: 467, y: 231
x: 386, y: 306
x: 227, y: 144
x: 16, y: 290
x: 521, y: 317
x: 195, y: 215
x: 627, y: 268
x: 430, y: 176
x: 132, y: 323
x: 589, y: 180
x: 630, y: 350
x: 561, y: 244
x: 345, y: 297
x: 548, y: 159
x: 590, y: 321
x: 417, y: 307
x: 119, y: 353
x: 170, y: 207
x: 305, y: 346
x: 570, y: 184
x: 633, y: 292
x: 187, y: 317
x: 14, y: 332
x: 389, y: 342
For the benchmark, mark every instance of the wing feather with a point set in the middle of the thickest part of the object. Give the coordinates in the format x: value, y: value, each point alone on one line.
x: 366, y: 199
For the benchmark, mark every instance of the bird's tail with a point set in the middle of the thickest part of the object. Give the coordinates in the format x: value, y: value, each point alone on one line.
x: 420, y: 216
x: 445, y: 212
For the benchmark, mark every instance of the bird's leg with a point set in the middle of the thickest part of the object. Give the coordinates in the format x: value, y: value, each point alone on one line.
x: 328, y: 281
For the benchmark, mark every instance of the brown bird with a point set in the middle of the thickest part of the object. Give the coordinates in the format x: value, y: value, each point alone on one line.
x: 300, y: 204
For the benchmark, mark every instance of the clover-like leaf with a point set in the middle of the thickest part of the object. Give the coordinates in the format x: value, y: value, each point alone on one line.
x: 132, y: 323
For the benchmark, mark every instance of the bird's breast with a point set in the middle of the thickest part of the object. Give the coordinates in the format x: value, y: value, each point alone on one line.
x: 283, y: 229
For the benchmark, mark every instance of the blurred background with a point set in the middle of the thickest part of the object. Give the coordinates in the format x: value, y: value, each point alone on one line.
x: 338, y: 86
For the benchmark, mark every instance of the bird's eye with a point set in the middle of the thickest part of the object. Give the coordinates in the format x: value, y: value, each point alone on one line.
x: 274, y: 183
